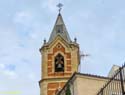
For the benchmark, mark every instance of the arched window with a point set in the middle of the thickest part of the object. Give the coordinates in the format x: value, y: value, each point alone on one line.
x: 59, y: 63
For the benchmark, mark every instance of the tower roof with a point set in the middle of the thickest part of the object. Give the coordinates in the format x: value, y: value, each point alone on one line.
x: 59, y: 29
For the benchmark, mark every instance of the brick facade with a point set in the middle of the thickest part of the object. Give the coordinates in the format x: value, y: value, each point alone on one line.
x: 67, y: 57
x: 52, y: 87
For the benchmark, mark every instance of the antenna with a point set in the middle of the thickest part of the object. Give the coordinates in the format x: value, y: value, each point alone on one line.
x: 82, y: 55
x: 60, y: 5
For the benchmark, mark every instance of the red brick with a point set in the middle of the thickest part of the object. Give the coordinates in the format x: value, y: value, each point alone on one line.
x: 68, y: 68
x: 61, y: 48
x: 68, y: 55
x: 50, y: 92
x: 62, y: 84
x: 49, y: 63
x: 49, y: 56
x: 51, y: 74
x: 59, y: 74
x: 49, y: 70
x: 67, y: 74
x: 53, y: 85
x: 68, y: 62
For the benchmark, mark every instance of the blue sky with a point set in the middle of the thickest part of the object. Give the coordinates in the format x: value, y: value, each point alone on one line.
x: 99, y: 26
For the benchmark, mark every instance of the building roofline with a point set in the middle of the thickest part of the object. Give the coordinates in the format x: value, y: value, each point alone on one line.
x: 81, y: 74
x: 59, y: 36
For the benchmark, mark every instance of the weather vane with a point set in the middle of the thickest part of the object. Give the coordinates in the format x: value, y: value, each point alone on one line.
x: 60, y: 5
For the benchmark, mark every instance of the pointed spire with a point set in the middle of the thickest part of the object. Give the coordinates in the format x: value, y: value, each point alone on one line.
x: 59, y: 29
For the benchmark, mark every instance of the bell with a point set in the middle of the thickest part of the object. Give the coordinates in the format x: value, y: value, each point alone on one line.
x: 59, y: 66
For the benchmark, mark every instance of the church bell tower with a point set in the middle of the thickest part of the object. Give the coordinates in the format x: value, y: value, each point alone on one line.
x: 60, y: 59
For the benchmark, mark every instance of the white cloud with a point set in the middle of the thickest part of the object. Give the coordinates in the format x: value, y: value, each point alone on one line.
x: 23, y: 17
x: 12, y: 54
x: 49, y: 5
x: 2, y: 66
x: 4, y: 70
x: 10, y: 74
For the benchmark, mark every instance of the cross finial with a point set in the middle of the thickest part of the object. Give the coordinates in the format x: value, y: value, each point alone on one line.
x: 60, y: 5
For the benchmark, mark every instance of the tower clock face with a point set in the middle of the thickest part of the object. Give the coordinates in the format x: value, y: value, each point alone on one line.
x: 59, y: 63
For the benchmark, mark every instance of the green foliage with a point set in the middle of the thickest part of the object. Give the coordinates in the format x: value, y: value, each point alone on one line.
x: 68, y: 92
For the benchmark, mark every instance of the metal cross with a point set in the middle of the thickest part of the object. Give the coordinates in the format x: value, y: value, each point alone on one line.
x: 60, y: 5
